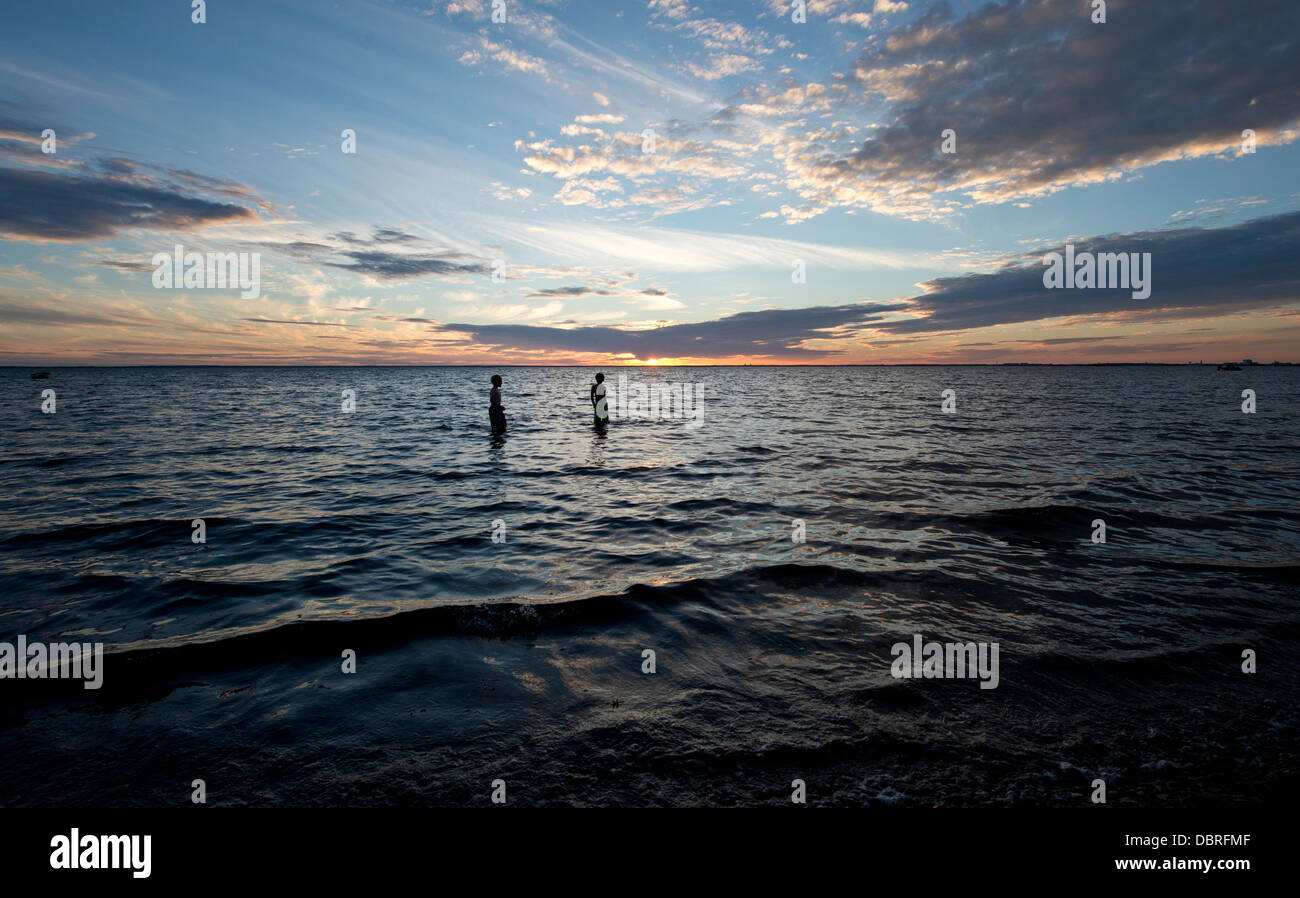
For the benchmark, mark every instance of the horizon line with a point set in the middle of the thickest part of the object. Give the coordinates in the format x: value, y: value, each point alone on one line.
x: 1197, y: 364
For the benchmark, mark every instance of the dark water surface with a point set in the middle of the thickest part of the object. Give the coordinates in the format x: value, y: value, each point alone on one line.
x: 521, y: 660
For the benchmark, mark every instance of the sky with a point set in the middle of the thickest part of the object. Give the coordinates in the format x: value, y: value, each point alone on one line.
x: 661, y: 182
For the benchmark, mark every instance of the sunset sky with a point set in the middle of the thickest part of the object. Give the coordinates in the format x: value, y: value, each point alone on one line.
x: 524, y: 141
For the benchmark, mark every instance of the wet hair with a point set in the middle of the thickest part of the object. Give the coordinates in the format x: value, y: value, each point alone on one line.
x: 600, y: 378
x: 496, y: 380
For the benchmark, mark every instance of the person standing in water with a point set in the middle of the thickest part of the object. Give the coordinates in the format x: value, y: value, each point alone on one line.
x: 598, y: 402
x: 496, y: 413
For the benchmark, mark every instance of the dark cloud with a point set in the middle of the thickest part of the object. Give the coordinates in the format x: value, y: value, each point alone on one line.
x: 1039, y: 95
x: 567, y: 291
x: 20, y: 135
x: 396, y: 267
x: 377, y: 261
x: 378, y: 235
x: 774, y: 333
x: 132, y: 267
x: 392, y: 235
x: 46, y: 206
x: 1194, y: 271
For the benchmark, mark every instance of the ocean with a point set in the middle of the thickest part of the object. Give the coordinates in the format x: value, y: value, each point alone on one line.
x: 504, y: 600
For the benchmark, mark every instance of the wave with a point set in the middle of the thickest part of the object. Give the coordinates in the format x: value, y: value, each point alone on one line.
x: 140, y: 667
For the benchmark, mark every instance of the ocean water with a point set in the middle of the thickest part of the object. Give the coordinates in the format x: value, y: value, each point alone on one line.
x: 521, y: 659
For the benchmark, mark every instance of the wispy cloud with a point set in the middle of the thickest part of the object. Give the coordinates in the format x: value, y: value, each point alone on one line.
x: 666, y: 249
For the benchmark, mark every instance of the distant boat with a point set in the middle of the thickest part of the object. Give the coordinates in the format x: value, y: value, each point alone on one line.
x: 40, y: 375
x: 1229, y: 367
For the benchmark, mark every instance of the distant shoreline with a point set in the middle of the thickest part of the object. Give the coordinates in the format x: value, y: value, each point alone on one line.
x: 53, y: 366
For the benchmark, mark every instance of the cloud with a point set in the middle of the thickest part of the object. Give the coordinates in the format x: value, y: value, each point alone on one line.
x: 510, y: 58
x: 502, y: 192
x: 584, y: 191
x: 57, y: 311
x: 727, y: 47
x: 377, y: 256
x: 666, y: 249
x: 503, y: 312
x: 599, y: 118
x: 394, y: 267
x: 385, y: 235
x: 569, y: 291
x: 773, y: 333
x: 23, y: 131
x: 724, y: 65
x: 284, y: 321
x: 1092, y: 101
x: 41, y: 206
x: 1196, y: 272
x: 475, y: 8
x: 378, y: 236
x: 657, y: 304
x: 122, y: 265
x: 1092, y: 104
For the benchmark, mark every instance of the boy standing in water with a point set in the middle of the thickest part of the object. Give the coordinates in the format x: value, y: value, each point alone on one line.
x: 598, y: 402
x: 496, y: 413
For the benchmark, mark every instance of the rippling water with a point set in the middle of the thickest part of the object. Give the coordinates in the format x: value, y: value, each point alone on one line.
x: 521, y: 659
